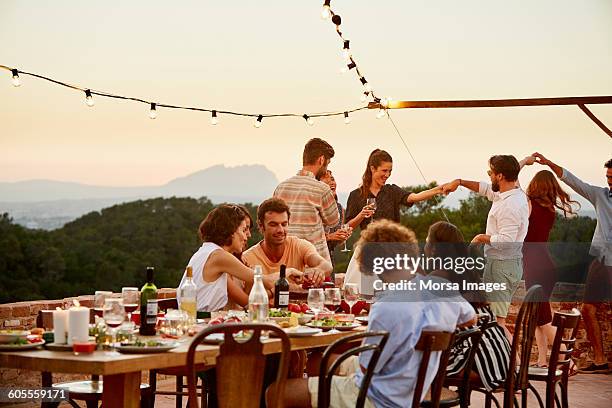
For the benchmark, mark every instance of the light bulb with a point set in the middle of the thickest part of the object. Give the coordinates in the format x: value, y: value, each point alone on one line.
x: 346, y: 54
x: 367, y: 87
x: 257, y: 123
x: 325, y: 12
x: 308, y: 120
x: 380, y: 114
x: 153, y: 111
x: 213, y: 119
x: 16, y: 81
x: 384, y: 102
x: 364, y: 96
x: 89, y: 98
x: 344, y: 69
x: 347, y: 120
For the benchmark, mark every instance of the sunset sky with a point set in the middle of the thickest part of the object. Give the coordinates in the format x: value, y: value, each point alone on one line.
x: 280, y: 56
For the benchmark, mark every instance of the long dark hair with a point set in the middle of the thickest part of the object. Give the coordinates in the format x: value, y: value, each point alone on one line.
x: 377, y: 157
x: 546, y: 191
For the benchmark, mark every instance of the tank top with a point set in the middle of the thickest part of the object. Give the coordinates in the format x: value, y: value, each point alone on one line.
x: 211, y: 296
x: 541, y: 221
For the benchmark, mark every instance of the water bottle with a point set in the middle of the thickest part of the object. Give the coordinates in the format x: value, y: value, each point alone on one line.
x: 258, y: 299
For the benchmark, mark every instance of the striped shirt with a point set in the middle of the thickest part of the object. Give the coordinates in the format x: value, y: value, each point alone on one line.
x: 313, y: 207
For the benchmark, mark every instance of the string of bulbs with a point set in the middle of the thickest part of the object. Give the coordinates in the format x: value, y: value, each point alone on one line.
x: 350, y: 62
x: 153, y: 106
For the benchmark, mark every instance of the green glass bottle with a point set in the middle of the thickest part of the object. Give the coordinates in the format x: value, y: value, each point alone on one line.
x: 148, y: 305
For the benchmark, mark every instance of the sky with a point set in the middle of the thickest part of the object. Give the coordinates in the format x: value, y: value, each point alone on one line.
x: 279, y: 56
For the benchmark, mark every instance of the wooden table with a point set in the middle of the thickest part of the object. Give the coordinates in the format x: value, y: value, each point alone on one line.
x: 122, y: 372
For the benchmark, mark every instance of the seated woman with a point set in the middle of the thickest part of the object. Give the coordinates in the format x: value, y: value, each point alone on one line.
x: 225, y: 232
x: 444, y: 240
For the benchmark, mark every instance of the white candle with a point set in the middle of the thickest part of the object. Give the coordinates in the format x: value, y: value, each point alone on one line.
x: 60, y: 325
x: 78, y: 324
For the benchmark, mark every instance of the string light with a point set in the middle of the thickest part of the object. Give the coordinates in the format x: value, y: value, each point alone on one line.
x: 384, y: 102
x: 380, y: 114
x: 346, y: 51
x: 16, y: 81
x: 364, y: 96
x: 153, y: 111
x: 347, y: 120
x: 258, y: 123
x: 213, y: 118
x: 308, y: 120
x: 325, y: 11
x: 88, y: 98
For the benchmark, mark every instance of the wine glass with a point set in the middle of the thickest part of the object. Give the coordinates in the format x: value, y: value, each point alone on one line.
x: 333, y: 298
x: 345, y: 228
x: 130, y: 298
x: 114, y: 315
x: 99, y: 298
x: 351, y: 295
x: 316, y: 300
x: 371, y: 202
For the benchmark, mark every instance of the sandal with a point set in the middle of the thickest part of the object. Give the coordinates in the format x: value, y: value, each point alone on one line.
x: 572, y: 369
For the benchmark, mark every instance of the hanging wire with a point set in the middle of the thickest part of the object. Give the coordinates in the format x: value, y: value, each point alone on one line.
x: 192, y: 108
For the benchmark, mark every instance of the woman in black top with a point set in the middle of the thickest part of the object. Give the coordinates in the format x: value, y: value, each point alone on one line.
x: 389, y: 197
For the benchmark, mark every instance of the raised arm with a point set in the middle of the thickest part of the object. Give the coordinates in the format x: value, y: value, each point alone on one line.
x: 586, y: 190
x: 424, y: 195
x: 453, y: 185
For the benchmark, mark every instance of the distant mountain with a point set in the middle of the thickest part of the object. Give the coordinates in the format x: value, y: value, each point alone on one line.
x: 49, y: 204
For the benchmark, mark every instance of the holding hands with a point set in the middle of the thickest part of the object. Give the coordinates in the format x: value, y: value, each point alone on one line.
x: 450, y: 187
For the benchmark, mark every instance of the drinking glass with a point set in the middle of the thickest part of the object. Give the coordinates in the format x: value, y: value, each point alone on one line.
x: 346, y: 228
x: 316, y: 300
x: 351, y: 295
x: 130, y: 297
x: 371, y: 202
x: 333, y: 299
x: 114, y: 315
x: 99, y: 298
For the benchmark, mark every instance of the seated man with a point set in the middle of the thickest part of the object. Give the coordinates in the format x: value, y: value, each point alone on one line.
x: 278, y: 249
x: 402, y: 313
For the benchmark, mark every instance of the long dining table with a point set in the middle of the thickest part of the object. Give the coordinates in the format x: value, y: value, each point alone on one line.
x: 122, y: 372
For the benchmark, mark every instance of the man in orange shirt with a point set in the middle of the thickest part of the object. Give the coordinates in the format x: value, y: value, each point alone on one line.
x: 278, y: 249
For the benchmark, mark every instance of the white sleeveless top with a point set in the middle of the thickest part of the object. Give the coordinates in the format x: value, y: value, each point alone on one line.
x: 211, y: 296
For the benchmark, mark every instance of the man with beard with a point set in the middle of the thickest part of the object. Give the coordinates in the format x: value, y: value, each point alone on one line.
x: 507, y: 224
x: 278, y: 249
x: 311, y: 201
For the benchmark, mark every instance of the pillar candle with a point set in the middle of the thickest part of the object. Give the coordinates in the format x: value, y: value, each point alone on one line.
x: 78, y: 324
x: 60, y: 326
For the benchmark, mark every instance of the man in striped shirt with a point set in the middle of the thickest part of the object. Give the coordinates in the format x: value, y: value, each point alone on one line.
x: 311, y: 202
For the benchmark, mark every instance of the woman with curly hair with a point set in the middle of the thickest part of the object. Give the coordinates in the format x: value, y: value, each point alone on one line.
x: 546, y: 197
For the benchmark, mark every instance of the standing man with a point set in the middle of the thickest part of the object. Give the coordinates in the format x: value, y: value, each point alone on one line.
x: 507, y: 224
x: 311, y: 202
x: 276, y: 248
x: 598, y: 285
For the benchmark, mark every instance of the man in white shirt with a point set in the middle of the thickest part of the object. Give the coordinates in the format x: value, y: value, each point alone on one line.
x: 507, y: 225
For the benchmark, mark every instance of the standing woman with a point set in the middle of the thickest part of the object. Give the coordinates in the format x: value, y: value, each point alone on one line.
x: 389, y: 197
x: 545, y: 197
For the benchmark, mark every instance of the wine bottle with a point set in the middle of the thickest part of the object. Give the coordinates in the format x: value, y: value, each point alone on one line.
x: 187, y: 295
x: 258, y: 299
x: 148, y: 305
x: 281, y: 290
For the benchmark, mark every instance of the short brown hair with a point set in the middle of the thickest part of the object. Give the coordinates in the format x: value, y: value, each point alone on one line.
x: 507, y: 165
x: 221, y: 223
x: 277, y: 205
x: 316, y: 148
x: 608, y: 164
x: 385, y: 238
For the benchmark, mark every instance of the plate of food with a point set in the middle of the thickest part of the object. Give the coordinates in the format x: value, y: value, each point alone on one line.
x: 241, y: 336
x: 147, y: 347
x: 11, y: 336
x: 362, y: 319
x: 28, y: 343
x: 329, y: 323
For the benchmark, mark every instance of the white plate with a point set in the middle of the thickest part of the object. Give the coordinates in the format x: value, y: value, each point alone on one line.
x: 217, y: 338
x: 8, y: 338
x: 147, y: 350
x: 302, y: 331
x: 19, y: 347
x: 362, y: 319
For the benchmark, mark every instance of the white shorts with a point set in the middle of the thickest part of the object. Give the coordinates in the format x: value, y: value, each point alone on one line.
x: 344, y: 391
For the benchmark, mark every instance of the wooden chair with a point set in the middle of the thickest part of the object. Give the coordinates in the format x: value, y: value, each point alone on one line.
x: 559, y: 362
x: 89, y: 391
x: 339, y: 346
x: 240, y: 365
x: 520, y: 353
x: 428, y: 342
x: 462, y: 380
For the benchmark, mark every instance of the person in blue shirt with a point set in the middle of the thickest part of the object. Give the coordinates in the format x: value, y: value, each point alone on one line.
x: 402, y: 313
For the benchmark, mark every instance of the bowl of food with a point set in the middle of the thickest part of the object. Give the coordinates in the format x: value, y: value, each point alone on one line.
x: 12, y: 336
x: 304, y: 318
x: 345, y: 317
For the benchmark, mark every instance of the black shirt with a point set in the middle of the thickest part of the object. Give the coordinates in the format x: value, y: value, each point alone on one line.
x: 388, y: 202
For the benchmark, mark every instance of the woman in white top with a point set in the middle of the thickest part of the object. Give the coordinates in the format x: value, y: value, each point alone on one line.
x: 225, y: 231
